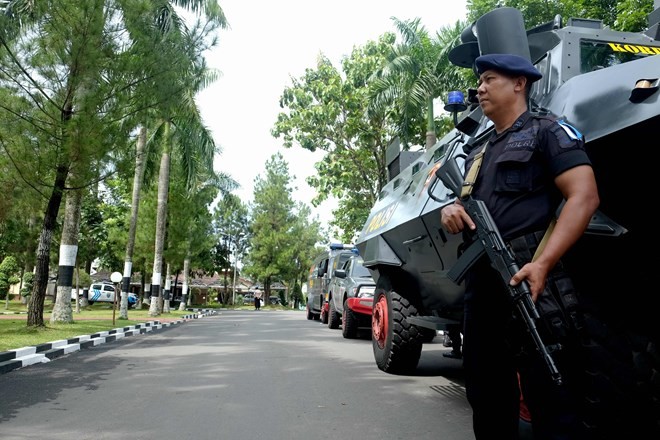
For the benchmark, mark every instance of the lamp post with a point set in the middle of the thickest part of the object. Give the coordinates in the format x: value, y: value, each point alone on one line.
x: 116, y: 279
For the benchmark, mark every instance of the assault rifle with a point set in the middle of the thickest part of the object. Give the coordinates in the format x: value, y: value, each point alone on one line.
x: 489, y: 241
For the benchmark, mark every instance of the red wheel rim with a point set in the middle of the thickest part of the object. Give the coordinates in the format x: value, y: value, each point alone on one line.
x: 379, y: 321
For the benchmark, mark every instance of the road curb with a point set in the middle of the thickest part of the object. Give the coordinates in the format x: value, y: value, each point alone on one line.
x: 42, y: 353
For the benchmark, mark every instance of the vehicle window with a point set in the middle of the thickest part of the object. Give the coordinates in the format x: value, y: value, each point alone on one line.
x: 360, y: 271
x: 347, y: 266
x: 109, y: 289
x: 600, y: 54
x: 343, y: 258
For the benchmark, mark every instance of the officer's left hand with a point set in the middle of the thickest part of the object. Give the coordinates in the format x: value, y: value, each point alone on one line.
x: 535, y: 274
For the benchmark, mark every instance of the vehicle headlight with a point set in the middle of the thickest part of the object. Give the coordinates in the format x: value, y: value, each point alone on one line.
x: 365, y: 292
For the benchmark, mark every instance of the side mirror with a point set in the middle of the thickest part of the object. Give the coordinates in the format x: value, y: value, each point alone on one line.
x: 450, y: 174
x: 340, y: 273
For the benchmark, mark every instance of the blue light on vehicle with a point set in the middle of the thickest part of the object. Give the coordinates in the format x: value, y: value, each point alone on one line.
x: 336, y: 246
x: 455, y: 102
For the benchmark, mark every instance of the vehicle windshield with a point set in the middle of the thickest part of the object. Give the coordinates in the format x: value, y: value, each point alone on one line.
x: 360, y: 271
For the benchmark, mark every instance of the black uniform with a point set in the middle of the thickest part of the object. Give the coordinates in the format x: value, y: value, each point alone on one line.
x: 516, y: 182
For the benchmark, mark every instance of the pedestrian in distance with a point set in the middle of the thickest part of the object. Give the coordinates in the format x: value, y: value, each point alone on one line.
x: 528, y: 165
x: 257, y: 299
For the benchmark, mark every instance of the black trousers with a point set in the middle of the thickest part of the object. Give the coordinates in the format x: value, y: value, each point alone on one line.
x: 492, y: 365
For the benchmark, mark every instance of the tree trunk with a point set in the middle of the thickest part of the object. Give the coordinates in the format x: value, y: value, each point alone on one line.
x: 184, y: 288
x: 35, y: 315
x: 431, y: 138
x: 77, y: 289
x: 161, y: 218
x: 138, y: 175
x: 62, y: 311
x: 167, y: 292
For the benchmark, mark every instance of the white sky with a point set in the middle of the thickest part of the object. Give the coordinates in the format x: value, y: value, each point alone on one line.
x: 266, y: 45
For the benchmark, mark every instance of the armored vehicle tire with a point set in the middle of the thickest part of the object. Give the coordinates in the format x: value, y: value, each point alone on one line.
x: 349, y: 323
x: 396, y: 344
x: 310, y: 315
x: 334, y: 318
x: 622, y: 396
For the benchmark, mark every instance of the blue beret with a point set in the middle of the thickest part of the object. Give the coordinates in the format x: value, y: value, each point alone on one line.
x: 513, y: 65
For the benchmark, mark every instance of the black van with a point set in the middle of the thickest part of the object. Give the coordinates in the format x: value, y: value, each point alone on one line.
x: 320, y: 273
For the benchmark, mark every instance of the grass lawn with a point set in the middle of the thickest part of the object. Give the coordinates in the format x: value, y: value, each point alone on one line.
x: 14, y: 332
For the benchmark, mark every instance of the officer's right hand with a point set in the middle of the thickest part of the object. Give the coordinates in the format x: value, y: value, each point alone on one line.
x: 454, y: 218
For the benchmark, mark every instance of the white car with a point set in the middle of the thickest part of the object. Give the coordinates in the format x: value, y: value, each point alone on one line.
x: 105, y: 292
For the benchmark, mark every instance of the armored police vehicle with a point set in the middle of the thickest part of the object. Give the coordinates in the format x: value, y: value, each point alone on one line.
x: 605, y: 83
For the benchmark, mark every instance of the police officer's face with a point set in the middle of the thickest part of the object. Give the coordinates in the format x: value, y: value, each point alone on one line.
x: 497, y: 92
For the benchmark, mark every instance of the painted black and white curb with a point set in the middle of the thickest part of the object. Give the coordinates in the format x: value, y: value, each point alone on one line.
x: 42, y: 353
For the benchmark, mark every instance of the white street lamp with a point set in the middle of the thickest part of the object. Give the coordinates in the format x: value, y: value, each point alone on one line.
x: 115, y: 278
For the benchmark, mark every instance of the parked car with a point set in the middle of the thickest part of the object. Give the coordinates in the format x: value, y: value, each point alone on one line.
x: 105, y: 292
x: 319, y: 276
x: 350, y: 297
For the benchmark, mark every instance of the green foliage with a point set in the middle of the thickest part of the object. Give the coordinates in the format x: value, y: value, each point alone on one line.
x: 84, y: 279
x: 279, y: 239
x: 231, y: 231
x: 28, y: 281
x: 327, y: 109
x: 632, y: 15
x: 8, y: 275
x: 296, y: 294
x: 626, y: 15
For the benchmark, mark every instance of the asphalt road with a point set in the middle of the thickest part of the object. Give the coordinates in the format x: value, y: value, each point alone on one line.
x: 238, y: 375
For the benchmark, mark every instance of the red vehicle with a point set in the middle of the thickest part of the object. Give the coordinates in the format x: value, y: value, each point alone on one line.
x: 350, y: 297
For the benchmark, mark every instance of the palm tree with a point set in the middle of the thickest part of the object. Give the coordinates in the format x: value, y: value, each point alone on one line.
x: 167, y: 22
x: 138, y: 176
x: 196, y: 148
x: 417, y: 71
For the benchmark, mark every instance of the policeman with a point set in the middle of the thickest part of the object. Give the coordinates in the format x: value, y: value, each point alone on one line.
x: 527, y: 166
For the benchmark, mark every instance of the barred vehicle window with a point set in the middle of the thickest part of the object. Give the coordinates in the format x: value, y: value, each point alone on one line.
x: 596, y: 55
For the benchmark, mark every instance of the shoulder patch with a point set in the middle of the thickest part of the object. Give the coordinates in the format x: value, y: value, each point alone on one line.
x: 571, y: 131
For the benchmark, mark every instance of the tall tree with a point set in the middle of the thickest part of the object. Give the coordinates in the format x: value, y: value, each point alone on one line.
x: 305, y: 234
x: 415, y: 73
x: 138, y: 176
x: 327, y: 109
x: 407, y: 82
x: 271, y: 227
x: 181, y: 128
x: 64, y: 74
x: 231, y: 223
